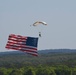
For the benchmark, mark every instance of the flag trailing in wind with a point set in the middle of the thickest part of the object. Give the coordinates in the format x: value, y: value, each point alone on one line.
x: 23, y: 43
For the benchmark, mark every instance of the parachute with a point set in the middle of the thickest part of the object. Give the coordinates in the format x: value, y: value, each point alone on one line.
x: 39, y: 22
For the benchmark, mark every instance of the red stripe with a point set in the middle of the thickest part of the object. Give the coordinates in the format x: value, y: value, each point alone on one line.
x: 16, y: 36
x: 14, y: 48
x: 15, y: 42
x: 21, y: 46
x: 29, y: 52
x: 24, y: 50
x: 15, y: 39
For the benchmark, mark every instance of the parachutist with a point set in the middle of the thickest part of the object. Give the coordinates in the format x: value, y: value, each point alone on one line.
x: 39, y: 34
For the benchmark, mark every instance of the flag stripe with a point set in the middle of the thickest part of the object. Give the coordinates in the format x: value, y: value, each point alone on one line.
x: 16, y: 39
x: 21, y: 46
x: 29, y: 50
x: 35, y: 54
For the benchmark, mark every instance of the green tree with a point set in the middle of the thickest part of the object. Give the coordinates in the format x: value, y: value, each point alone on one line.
x: 63, y: 70
x: 29, y: 71
x: 52, y: 71
x: 42, y: 71
x: 16, y: 72
x: 74, y: 71
x: 3, y: 71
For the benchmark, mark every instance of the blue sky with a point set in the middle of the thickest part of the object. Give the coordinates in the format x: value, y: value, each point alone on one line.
x: 16, y: 16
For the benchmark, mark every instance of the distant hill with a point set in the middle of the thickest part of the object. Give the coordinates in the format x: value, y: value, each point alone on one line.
x: 58, y: 51
x: 48, y: 51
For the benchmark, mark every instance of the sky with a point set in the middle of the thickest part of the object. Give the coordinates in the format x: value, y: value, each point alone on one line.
x: 16, y: 16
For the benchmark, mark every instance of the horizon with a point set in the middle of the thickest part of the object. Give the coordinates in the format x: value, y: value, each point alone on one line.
x: 37, y: 50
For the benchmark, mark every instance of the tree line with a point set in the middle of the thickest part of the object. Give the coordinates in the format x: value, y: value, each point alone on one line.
x: 19, y: 60
x: 39, y: 70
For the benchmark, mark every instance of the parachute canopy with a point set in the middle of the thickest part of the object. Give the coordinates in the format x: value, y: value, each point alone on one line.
x: 39, y: 22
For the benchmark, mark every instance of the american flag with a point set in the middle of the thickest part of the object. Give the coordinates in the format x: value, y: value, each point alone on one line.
x: 23, y: 43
